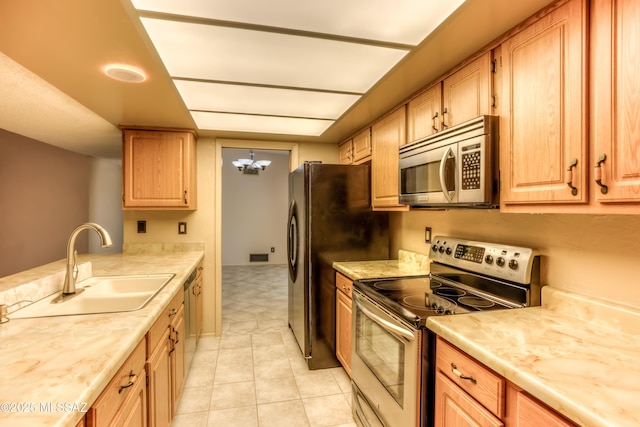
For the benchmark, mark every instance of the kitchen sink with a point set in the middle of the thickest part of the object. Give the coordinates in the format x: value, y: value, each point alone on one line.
x: 100, y: 294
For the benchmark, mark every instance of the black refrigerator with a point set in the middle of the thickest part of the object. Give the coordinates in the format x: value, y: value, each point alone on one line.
x: 330, y: 219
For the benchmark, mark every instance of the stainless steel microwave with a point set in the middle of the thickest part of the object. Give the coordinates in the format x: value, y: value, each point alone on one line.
x: 457, y: 167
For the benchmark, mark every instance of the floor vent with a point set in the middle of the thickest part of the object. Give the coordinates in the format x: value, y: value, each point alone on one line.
x: 258, y: 257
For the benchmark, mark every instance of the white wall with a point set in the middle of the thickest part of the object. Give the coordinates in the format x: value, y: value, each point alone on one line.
x: 254, y: 208
x: 105, y: 202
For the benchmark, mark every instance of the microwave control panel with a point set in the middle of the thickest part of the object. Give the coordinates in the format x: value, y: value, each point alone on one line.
x: 471, y: 167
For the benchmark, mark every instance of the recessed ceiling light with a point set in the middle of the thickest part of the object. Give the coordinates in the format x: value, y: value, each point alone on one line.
x: 125, y: 73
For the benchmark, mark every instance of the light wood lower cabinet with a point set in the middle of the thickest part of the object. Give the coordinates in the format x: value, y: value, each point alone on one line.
x: 124, y: 401
x: 165, y: 363
x: 197, y: 290
x: 343, y: 321
x: 467, y: 393
x: 455, y: 408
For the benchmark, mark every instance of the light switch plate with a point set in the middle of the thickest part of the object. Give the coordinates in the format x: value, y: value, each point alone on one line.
x: 182, y: 227
x: 427, y: 234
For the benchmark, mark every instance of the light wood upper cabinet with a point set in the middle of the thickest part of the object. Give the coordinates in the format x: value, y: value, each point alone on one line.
x: 356, y: 150
x: 387, y: 135
x: 615, y: 103
x: 464, y: 95
x: 159, y: 170
x: 423, y: 113
x: 362, y: 146
x: 345, y: 152
x: 543, y: 129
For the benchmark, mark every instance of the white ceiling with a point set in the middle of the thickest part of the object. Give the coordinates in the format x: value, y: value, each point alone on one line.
x: 283, y: 53
x: 286, y: 61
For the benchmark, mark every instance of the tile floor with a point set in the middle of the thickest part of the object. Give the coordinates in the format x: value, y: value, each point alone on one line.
x: 254, y: 374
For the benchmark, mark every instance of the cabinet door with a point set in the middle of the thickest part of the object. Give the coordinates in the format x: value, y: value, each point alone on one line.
x: 134, y: 413
x: 362, y: 146
x: 455, y: 408
x: 158, y: 169
x: 424, y: 114
x: 616, y: 99
x: 466, y: 94
x: 345, y: 153
x: 387, y: 135
x: 176, y: 355
x: 159, y: 387
x: 526, y: 411
x: 543, y: 121
x: 343, y: 330
x: 197, y: 289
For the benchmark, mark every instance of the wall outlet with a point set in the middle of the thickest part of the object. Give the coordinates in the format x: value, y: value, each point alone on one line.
x: 182, y: 227
x: 142, y: 226
x: 273, y: 249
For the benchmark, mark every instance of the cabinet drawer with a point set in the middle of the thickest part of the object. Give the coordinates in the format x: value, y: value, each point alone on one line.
x: 159, y: 329
x: 344, y: 284
x: 114, y: 395
x: 484, y: 385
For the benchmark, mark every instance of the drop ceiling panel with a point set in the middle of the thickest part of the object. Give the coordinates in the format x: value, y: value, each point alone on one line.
x: 234, y: 55
x: 398, y: 21
x: 217, y: 97
x: 253, y: 123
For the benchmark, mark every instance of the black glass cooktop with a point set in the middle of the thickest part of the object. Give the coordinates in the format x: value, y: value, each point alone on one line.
x: 417, y: 298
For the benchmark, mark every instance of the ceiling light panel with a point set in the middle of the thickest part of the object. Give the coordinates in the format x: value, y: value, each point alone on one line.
x: 397, y: 21
x: 218, y: 97
x: 261, y: 124
x: 226, y: 54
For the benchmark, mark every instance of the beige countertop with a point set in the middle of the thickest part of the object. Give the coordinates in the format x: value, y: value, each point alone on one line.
x: 67, y: 361
x: 578, y: 355
x: 407, y: 264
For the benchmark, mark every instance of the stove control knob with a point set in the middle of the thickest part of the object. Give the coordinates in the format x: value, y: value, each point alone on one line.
x: 488, y: 259
x: 434, y: 248
x: 447, y: 312
x: 449, y: 250
x: 441, y: 250
x: 513, y: 264
x: 440, y: 310
x: 500, y: 262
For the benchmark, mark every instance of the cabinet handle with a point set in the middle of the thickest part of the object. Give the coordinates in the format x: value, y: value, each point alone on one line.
x: 172, y: 313
x: 598, y: 174
x: 185, y: 197
x: 177, y: 340
x: 569, y: 176
x: 460, y: 375
x: 129, y: 384
x: 433, y: 122
x: 444, y: 121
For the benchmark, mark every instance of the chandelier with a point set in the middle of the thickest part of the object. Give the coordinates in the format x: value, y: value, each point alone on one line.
x: 251, y: 166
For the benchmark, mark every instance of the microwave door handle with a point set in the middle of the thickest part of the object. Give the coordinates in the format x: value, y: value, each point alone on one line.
x: 447, y: 154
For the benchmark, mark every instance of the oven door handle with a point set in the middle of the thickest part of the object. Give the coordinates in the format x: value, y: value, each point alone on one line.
x: 443, y: 162
x: 394, y: 329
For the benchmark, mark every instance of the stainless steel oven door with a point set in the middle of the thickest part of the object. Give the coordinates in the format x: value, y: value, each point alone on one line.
x: 428, y: 175
x: 385, y: 365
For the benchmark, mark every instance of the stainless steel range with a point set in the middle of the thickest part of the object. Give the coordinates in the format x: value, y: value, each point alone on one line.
x: 393, y: 352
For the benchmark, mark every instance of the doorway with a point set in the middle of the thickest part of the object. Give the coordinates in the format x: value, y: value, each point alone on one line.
x: 288, y: 153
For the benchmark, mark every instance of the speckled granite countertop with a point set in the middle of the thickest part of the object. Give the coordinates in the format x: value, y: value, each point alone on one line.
x: 577, y: 354
x: 407, y: 264
x: 68, y: 360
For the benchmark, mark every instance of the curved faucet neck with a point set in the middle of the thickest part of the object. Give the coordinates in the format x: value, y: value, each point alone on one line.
x: 69, y: 286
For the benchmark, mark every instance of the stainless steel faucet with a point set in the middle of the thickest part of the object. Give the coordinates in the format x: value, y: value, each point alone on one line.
x: 69, y: 287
